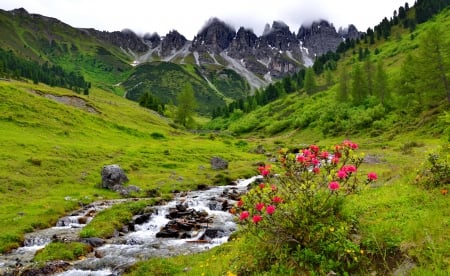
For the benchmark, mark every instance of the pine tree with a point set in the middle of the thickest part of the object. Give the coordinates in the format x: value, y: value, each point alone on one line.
x: 358, y: 85
x: 309, y: 82
x: 343, y: 92
x: 381, y: 88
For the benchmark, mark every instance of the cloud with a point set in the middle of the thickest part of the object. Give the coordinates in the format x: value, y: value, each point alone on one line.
x: 188, y: 17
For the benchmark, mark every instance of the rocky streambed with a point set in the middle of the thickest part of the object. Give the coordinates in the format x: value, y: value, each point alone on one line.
x: 192, y: 222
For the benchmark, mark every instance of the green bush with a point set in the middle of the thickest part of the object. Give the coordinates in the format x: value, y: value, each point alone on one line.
x: 295, y: 217
x: 436, y: 172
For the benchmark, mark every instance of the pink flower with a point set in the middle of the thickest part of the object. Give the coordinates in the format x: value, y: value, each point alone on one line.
x: 264, y: 170
x: 259, y: 206
x: 277, y: 199
x: 273, y: 187
x: 244, y: 215
x: 270, y: 209
x: 315, y: 161
x: 314, y: 148
x: 341, y: 174
x: 306, y: 152
x: 350, y: 144
x: 335, y: 160
x: 333, y: 185
x: 349, y: 168
x: 372, y: 176
x: 262, y: 185
x: 257, y: 218
x: 301, y: 159
x: 316, y: 170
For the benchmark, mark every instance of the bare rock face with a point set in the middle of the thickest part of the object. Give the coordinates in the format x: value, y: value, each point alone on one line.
x: 173, y: 41
x: 215, y: 37
x: 113, y: 176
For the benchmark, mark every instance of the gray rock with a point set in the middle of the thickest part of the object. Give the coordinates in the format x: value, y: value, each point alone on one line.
x: 113, y: 175
x: 218, y: 163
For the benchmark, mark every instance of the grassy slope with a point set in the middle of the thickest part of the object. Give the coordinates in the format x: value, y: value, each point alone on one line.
x: 52, y: 154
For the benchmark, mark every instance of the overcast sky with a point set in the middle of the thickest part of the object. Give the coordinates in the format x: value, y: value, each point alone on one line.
x: 188, y: 17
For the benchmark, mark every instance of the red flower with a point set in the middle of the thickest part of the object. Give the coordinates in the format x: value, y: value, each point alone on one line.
x: 259, y: 206
x: 350, y: 144
x: 301, y: 159
x: 349, y: 168
x: 270, y: 209
x: 257, y: 218
x: 273, y: 187
x: 316, y: 170
x: 372, y: 176
x: 324, y: 154
x: 264, y: 170
x: 314, y: 148
x: 333, y: 185
x: 240, y: 203
x: 341, y: 174
x: 244, y: 215
x: 277, y: 199
x: 262, y: 185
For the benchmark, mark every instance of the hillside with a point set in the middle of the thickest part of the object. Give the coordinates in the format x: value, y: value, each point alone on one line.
x: 53, y: 153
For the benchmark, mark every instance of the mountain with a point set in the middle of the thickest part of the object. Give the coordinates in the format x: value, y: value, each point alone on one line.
x: 225, y: 64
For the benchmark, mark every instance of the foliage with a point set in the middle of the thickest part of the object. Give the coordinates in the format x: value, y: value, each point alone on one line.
x: 54, y: 75
x: 296, y: 217
x: 436, y: 172
x: 186, y: 104
x: 70, y: 251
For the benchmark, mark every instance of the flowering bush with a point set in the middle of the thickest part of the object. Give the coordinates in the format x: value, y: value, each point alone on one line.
x: 296, y: 212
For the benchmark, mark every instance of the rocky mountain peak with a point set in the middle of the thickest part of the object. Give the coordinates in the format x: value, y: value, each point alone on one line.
x: 215, y: 37
x: 320, y: 37
x: 278, y: 36
x: 126, y: 39
x: 173, y: 41
x: 152, y: 40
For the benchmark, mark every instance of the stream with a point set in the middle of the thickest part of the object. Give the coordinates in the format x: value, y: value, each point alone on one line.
x: 114, y: 255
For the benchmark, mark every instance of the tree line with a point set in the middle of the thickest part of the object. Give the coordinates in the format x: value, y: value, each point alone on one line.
x: 14, y: 67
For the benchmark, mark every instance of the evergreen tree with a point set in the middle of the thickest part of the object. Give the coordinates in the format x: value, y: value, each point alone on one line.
x: 369, y: 72
x: 381, y: 88
x: 434, y: 64
x: 186, y: 106
x: 309, y: 82
x: 358, y: 85
x: 343, y: 92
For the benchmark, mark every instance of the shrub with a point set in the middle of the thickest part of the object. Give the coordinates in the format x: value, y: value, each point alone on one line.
x: 296, y: 217
x: 436, y: 172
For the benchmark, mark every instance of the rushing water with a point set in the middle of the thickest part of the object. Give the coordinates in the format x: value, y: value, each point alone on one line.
x: 121, y: 252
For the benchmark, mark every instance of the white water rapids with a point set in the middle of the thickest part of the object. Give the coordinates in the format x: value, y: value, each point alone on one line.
x: 120, y: 252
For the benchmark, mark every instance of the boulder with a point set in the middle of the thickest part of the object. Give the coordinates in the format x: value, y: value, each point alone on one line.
x: 113, y: 176
x: 218, y: 163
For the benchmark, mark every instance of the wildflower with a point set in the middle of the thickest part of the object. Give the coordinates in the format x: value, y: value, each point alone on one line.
x: 240, y: 203
x: 324, y: 154
x: 349, y: 168
x: 277, y: 199
x: 264, y: 170
x: 259, y: 206
x: 333, y: 185
x: 372, y: 176
x: 444, y: 191
x: 342, y: 174
x: 301, y: 159
x: 273, y: 187
x: 257, y: 218
x: 244, y: 215
x: 332, y: 229
x: 270, y: 209
x: 314, y: 148
x: 316, y: 170
x: 262, y: 185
